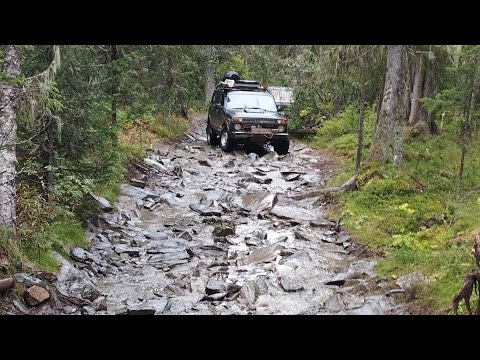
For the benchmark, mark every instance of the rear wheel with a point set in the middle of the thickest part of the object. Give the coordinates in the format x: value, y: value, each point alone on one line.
x: 212, y: 138
x: 281, y: 146
x: 226, y: 141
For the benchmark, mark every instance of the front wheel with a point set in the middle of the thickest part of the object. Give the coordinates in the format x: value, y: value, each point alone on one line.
x: 226, y: 141
x: 212, y: 138
x: 281, y: 146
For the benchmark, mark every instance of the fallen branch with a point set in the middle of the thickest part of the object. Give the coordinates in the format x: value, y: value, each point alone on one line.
x: 415, y: 179
x: 190, y: 136
x: 349, y: 185
x: 470, y: 282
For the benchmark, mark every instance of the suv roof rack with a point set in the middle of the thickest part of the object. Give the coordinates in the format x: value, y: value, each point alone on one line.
x: 230, y: 84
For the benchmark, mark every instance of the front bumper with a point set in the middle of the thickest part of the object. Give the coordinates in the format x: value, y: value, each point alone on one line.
x: 244, y: 135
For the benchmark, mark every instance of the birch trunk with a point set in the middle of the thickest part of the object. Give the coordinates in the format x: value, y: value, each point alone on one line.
x: 8, y: 135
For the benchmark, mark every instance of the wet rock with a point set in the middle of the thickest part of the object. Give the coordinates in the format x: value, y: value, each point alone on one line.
x: 155, y: 164
x: 262, y: 180
x: 291, y: 284
x: 171, y: 291
x: 157, y: 236
x: 28, y: 280
x: 261, y: 286
x: 343, y: 237
x: 20, y: 306
x: 334, y: 303
x: 149, y: 204
x: 170, y: 258
x: 139, y: 242
x: 285, y: 304
x: 78, y: 254
x: 88, y: 310
x: 138, y: 183
x: 100, y: 304
x: 185, y: 235
x: 224, y: 228
x: 252, y: 157
x: 72, y: 284
x: 177, y: 170
x: 168, y: 198
x: 117, y: 309
x: 206, y: 210
x: 174, y: 307
x: 322, y: 223
x: 352, y: 301
x: 35, y: 295
x: 103, y: 203
x: 215, y: 286
x: 291, y: 177
x: 122, y: 248
x: 249, y: 292
x: 205, y: 163
x: 322, y: 294
x: 197, y: 285
x: 103, y: 246
x: 6, y: 284
x: 261, y: 255
x: 143, y: 309
x: 272, y: 155
x: 136, y: 192
x: 410, y: 280
x: 258, y: 202
x: 157, y: 304
x: 295, y: 213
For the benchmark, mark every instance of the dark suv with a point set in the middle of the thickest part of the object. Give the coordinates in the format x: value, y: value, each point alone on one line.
x: 242, y: 112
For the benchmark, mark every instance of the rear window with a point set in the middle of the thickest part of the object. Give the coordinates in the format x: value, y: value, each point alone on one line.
x: 250, y: 100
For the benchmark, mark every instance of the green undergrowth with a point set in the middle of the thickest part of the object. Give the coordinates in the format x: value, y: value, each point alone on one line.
x: 57, y: 225
x: 412, y: 217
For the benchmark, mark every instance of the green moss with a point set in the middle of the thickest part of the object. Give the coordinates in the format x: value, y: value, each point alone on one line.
x: 410, y: 216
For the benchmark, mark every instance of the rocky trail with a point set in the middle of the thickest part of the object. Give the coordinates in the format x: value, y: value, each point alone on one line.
x: 200, y: 231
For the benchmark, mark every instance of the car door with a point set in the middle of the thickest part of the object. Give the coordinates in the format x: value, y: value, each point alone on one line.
x: 212, y: 109
x: 216, y: 117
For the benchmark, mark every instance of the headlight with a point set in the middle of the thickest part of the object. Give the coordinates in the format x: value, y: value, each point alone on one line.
x: 281, y: 128
x: 237, y: 127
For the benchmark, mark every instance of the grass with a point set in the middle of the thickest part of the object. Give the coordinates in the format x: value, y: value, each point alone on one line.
x: 44, y: 226
x: 411, y: 216
x: 135, y: 138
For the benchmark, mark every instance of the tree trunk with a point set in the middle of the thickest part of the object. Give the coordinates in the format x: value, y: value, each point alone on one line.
x: 8, y: 135
x: 466, y: 129
x: 360, y: 117
x: 51, y: 158
x: 114, y: 88
x: 408, y: 88
x: 209, y: 83
x: 429, y: 91
x: 390, y: 108
x: 417, y: 92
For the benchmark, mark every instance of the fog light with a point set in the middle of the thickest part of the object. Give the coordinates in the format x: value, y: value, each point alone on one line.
x: 237, y: 127
x: 281, y: 128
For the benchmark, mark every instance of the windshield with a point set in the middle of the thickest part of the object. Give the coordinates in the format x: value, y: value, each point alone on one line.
x: 252, y: 100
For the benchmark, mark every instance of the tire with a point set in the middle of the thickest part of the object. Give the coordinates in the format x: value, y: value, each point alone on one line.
x: 281, y: 146
x: 226, y: 141
x: 212, y: 138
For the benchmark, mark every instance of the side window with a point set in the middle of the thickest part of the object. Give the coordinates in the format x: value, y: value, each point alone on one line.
x: 217, y: 97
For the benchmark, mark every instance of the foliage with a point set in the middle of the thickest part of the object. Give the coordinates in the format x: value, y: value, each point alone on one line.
x: 411, y: 216
x: 235, y: 63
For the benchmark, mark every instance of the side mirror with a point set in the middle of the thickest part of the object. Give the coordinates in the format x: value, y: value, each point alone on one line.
x: 281, y: 107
